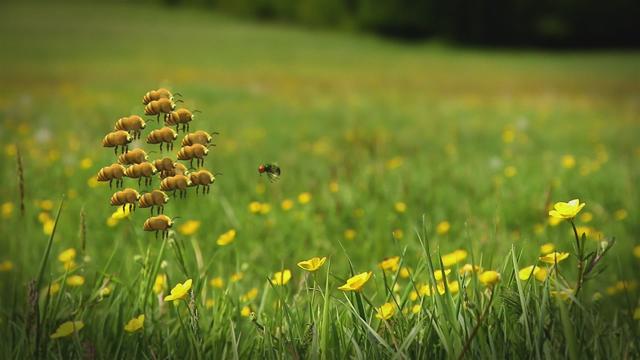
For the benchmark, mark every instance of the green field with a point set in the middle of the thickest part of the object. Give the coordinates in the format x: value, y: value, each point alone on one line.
x: 380, y: 145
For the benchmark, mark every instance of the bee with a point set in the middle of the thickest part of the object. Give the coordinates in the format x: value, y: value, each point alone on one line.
x: 115, y: 139
x: 125, y: 197
x: 112, y: 172
x: 177, y: 182
x: 158, y: 223
x: 138, y: 171
x: 161, y: 93
x: 156, y: 198
x: 164, y: 166
x: 160, y: 106
x: 135, y: 156
x: 195, y: 151
x: 204, y: 178
x: 133, y: 124
x: 198, y: 137
x: 161, y: 136
x: 272, y: 170
x: 180, y: 116
x: 178, y: 169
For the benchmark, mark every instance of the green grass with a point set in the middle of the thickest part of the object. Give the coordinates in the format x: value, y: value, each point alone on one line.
x: 418, y: 124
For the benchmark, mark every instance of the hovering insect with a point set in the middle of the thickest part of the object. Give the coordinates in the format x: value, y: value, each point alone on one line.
x: 272, y: 170
x: 156, y: 198
x: 158, y: 223
x: 198, y: 137
x: 204, y: 178
x: 161, y: 93
x: 125, y: 197
x: 115, y: 139
x: 161, y: 136
x: 177, y: 182
x: 179, y: 116
x: 145, y: 170
x: 133, y: 124
x: 112, y: 172
x: 164, y: 166
x: 178, y: 169
x: 160, y: 106
x: 195, y: 151
x: 135, y: 156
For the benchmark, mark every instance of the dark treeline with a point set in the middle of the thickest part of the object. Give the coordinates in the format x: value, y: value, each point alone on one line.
x: 552, y: 23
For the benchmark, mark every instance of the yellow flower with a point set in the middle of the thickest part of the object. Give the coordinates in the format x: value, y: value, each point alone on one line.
x: 226, y: 238
x: 43, y: 217
x: 235, y: 277
x: 69, y: 265
x: 67, y: 329
x: 254, y: 207
x: 539, y: 273
x: 443, y: 227
x: 554, y: 257
x: 281, y: 277
x: 553, y: 221
x: 394, y: 162
x: 6, y: 265
x: 265, y: 208
x: 439, y: 274
x: 538, y: 229
x: 349, y: 234
x: 7, y: 209
x: 67, y: 255
x: 562, y: 294
x: 385, y: 311
x: 217, y: 282
x: 563, y: 210
x: 86, y: 163
x: 453, y: 287
x: 356, y: 282
x: 334, y: 187
x: 468, y: 268
x: 398, y: 234
x: 10, y: 150
x: 111, y: 222
x: 405, y: 272
x: 246, y: 311
x: 416, y: 309
x: 636, y: 251
x: 250, y: 295
x: 160, y: 284
x: 390, y: 263
x: 510, y: 171
x: 105, y: 291
x: 46, y: 205
x: 189, y: 227
x: 209, y: 303
x: 547, y: 248
x: 135, y: 324
x: 287, y: 204
x: 312, y: 264
x: 53, y: 288
x: 304, y: 198
x: 586, y: 217
x: 180, y: 291
x: 489, y: 278
x: 508, y: 135
x: 620, y: 214
x: 47, y: 227
x: 636, y: 314
x: 568, y: 161
x: 453, y: 258
x: 75, y: 280
x: 400, y: 207
x: 93, y: 182
x: 121, y: 213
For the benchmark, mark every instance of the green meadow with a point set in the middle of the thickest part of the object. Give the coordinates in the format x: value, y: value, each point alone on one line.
x: 398, y: 159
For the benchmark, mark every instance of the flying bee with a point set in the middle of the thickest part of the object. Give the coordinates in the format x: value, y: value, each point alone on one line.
x: 164, y: 166
x: 198, y: 137
x: 115, y: 139
x: 177, y: 182
x: 160, y: 106
x: 178, y: 169
x: 272, y: 171
x: 156, y: 198
x: 161, y: 136
x: 179, y: 116
x: 195, y: 151
x: 204, y: 178
x: 135, y: 156
x: 125, y: 197
x: 112, y: 172
x: 161, y: 93
x: 158, y: 223
x: 133, y: 124
x: 144, y: 170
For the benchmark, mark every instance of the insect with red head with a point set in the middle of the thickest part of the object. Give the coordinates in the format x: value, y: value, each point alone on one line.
x: 272, y: 170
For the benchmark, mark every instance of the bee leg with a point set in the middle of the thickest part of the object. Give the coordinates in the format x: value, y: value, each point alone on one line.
x: 110, y: 183
x: 115, y: 150
x: 191, y: 164
x: 160, y: 147
x: 156, y: 234
x: 158, y: 118
x: 139, y: 181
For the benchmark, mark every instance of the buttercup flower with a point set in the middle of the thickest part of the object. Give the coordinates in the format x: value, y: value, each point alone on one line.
x: 453, y: 287
x: 440, y: 274
x: 160, y: 284
x: 67, y: 255
x: 75, y: 280
x: 179, y: 292
x: 281, y: 277
x: 226, y: 238
x: 189, y: 228
x: 554, y: 257
x: 135, y: 324
x: 67, y: 329
x: 636, y: 251
x: 6, y: 209
x: 121, y: 213
x: 385, y: 311
x: 250, y: 295
x: 547, y: 248
x: 254, y: 207
x: 286, y: 204
x: 468, y: 268
x: 539, y: 273
x: 312, y: 264
x: 304, y: 198
x: 454, y: 257
x: 443, y: 227
x: 246, y: 311
x: 217, y: 282
x: 400, y: 207
x: 563, y: 210
x: 489, y: 278
x: 390, y: 263
x: 349, y: 234
x: 356, y: 282
x: 568, y: 161
x: 6, y: 265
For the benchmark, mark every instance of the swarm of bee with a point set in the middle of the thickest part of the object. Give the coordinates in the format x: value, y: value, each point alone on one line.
x: 174, y: 178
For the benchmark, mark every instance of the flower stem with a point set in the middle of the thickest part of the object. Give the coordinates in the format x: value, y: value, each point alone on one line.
x: 580, y: 247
